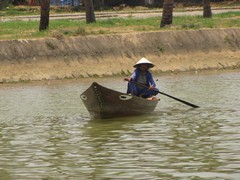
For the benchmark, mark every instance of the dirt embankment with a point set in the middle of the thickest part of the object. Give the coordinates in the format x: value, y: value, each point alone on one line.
x: 104, y: 55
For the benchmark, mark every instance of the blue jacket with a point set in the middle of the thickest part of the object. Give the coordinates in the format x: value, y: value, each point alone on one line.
x: 136, y: 74
x: 144, y: 92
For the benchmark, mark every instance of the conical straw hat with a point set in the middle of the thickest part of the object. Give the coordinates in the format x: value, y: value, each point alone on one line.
x: 144, y: 61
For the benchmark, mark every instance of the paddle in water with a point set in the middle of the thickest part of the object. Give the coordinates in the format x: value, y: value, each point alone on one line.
x: 182, y: 101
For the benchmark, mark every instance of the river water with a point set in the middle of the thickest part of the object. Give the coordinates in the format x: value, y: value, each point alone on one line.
x: 46, y: 132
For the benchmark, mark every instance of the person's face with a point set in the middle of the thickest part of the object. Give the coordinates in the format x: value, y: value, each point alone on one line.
x: 144, y: 67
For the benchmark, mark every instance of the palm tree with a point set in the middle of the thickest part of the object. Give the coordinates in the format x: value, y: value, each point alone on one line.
x: 44, y: 19
x: 90, y: 16
x: 167, y: 13
x: 207, y: 13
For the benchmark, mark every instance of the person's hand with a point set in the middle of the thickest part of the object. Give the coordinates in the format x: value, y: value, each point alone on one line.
x: 151, y: 87
x: 126, y: 79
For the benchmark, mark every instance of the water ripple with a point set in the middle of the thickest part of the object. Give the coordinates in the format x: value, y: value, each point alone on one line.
x: 46, y: 133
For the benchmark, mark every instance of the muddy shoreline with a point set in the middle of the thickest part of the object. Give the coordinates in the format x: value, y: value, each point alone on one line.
x: 110, y: 55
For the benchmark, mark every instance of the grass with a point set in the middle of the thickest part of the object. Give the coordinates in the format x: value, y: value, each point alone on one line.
x: 65, y: 28
x: 35, y: 10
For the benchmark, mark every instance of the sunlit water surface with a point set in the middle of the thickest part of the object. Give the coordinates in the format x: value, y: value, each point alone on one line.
x: 46, y: 132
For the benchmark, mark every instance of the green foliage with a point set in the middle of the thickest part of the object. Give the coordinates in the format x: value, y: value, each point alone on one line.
x: 161, y: 48
x: 92, y: 75
x: 4, y: 4
x: 10, y: 10
x: 190, y: 26
x: 227, y: 40
x: 123, y: 73
x: 228, y: 15
x: 80, y: 31
x: 232, y: 40
x: 101, y: 32
x: 66, y: 28
x: 51, y: 45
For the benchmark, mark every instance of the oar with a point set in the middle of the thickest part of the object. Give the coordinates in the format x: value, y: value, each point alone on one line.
x: 182, y: 101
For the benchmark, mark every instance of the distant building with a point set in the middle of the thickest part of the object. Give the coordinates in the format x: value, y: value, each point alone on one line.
x: 102, y: 2
x: 66, y: 2
x: 147, y: 2
x: 32, y: 2
x: 58, y: 2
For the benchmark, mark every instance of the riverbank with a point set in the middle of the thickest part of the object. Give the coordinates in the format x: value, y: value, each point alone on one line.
x: 109, y: 55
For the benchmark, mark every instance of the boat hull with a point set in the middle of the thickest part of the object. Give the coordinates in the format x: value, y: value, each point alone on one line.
x: 102, y: 103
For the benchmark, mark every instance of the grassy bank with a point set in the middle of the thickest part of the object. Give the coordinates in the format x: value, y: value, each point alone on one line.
x: 35, y: 10
x: 65, y: 28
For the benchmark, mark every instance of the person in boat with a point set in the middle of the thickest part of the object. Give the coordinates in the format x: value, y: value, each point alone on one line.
x: 141, y: 82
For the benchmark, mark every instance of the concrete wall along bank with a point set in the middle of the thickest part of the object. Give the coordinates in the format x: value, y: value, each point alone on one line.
x: 87, y: 56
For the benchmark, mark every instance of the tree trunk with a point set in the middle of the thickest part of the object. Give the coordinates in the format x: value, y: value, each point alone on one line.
x: 90, y: 16
x: 207, y: 13
x: 44, y: 19
x: 167, y: 13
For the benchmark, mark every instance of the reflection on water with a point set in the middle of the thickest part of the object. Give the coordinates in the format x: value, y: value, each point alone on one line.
x: 46, y: 133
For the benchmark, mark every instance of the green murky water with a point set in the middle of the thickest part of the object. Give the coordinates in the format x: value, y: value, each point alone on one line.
x: 46, y: 132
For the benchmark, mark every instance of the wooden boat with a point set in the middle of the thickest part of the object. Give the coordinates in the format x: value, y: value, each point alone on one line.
x: 103, y: 103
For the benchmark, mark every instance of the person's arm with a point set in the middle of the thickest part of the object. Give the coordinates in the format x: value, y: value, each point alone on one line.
x: 135, y: 75
x: 151, y: 81
x: 132, y: 77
